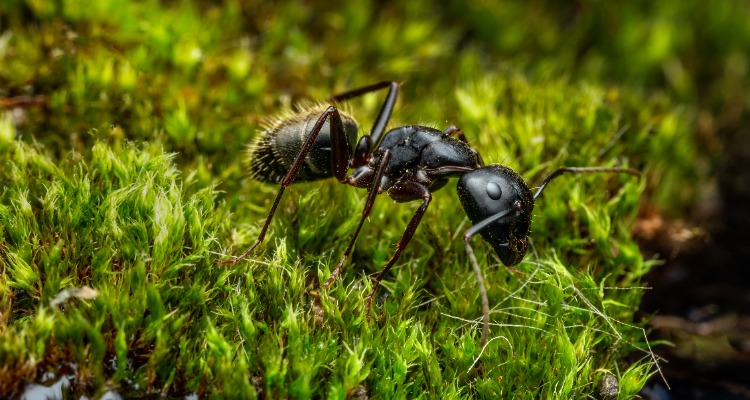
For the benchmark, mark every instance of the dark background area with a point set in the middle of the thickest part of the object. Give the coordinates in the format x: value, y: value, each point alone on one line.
x: 700, y: 299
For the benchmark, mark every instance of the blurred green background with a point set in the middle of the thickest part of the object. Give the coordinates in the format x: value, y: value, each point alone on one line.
x: 659, y: 86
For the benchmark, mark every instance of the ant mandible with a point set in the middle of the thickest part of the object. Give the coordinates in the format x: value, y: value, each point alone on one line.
x: 409, y: 163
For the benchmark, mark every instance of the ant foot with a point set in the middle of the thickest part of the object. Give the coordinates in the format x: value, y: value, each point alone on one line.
x: 231, y: 261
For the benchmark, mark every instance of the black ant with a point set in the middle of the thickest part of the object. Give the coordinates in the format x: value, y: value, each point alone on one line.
x: 409, y: 162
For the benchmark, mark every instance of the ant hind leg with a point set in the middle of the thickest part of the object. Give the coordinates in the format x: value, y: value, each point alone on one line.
x: 340, y: 163
x: 370, y: 142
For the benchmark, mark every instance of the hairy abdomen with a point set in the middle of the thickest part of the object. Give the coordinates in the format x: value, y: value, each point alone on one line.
x: 273, y: 152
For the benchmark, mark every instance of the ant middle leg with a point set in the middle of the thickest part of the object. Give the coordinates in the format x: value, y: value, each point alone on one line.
x: 454, y: 130
x: 372, y: 193
x: 402, y: 192
x: 339, y: 161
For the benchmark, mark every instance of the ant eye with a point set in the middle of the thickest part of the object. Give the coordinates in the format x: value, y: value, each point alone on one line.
x: 517, y: 205
x: 494, y: 191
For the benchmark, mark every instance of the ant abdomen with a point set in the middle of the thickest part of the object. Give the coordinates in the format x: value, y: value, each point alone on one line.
x: 273, y: 152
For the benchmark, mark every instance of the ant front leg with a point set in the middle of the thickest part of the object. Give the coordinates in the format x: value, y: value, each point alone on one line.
x: 339, y: 163
x: 402, y: 192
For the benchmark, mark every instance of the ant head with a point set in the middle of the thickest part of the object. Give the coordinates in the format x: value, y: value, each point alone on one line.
x: 496, y: 190
x: 499, y: 205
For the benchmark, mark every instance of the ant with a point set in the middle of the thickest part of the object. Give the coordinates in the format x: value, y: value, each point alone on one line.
x: 409, y: 163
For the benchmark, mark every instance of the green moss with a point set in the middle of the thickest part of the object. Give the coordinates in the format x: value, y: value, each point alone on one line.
x: 122, y: 171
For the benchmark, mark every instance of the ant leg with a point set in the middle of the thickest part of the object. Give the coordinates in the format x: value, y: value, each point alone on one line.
x: 372, y: 192
x: 402, y: 192
x: 480, y: 160
x: 339, y: 161
x: 454, y: 130
x: 378, y: 127
x: 337, y: 98
x: 371, y: 141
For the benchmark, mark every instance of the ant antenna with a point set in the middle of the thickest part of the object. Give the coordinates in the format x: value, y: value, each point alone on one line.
x: 581, y: 170
x: 485, y: 222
